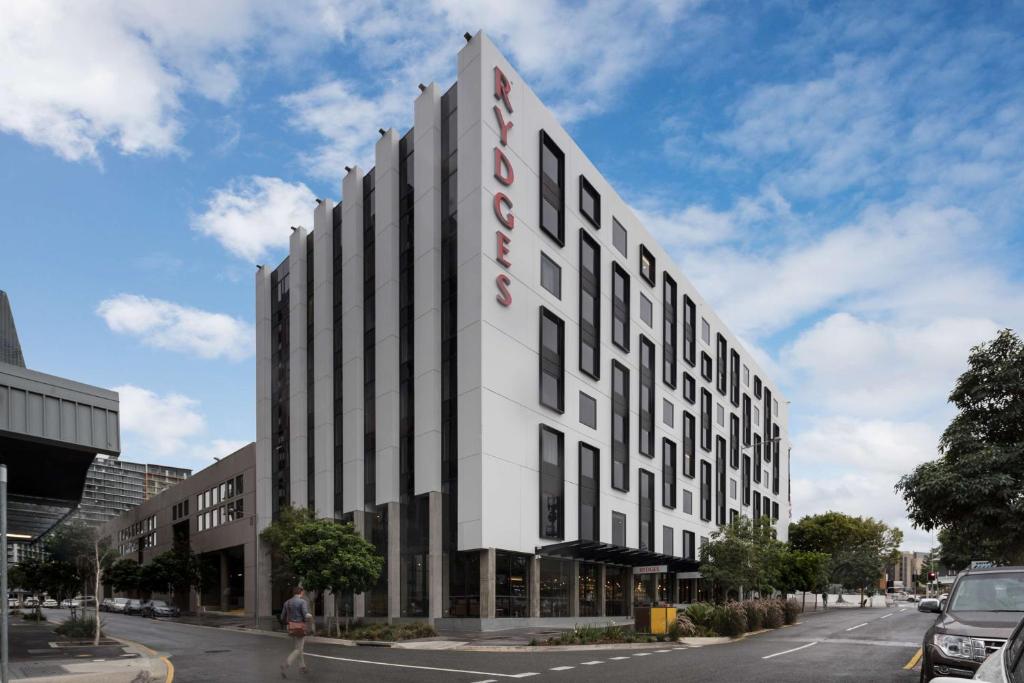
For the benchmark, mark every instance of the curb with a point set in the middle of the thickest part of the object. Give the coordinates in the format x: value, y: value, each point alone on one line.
x: 562, y: 648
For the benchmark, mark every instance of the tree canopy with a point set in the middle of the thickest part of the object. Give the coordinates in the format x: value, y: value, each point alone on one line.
x: 858, y: 547
x: 743, y: 555
x: 972, y: 491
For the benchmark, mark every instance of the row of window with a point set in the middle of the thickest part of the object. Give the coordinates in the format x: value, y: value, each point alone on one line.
x: 179, y: 510
x: 134, y: 530
x: 213, y: 496
x: 223, y: 514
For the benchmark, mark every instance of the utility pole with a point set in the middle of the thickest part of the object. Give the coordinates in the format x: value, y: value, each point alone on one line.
x: 5, y: 636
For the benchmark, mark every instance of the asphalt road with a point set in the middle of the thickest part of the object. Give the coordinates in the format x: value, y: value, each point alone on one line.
x: 839, y: 645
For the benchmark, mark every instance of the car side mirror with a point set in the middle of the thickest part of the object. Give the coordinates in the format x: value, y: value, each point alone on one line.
x: 942, y: 606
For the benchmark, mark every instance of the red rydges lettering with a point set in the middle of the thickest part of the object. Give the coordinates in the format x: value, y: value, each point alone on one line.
x: 506, y: 175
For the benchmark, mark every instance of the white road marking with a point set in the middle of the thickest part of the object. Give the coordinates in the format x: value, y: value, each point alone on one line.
x: 561, y: 668
x: 489, y: 680
x: 886, y: 616
x: 786, y: 652
x: 596, y: 661
x: 618, y: 658
x: 641, y: 654
x: 853, y: 628
x: 663, y: 650
x: 904, y: 609
x: 426, y: 668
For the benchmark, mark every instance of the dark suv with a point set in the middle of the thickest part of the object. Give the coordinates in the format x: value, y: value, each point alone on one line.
x: 980, y: 614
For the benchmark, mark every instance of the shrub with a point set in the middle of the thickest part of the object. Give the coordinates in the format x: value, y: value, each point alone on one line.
x: 390, y: 632
x: 775, y: 616
x: 584, y: 635
x: 32, y: 616
x: 77, y: 628
x: 791, y: 608
x: 731, y: 620
x: 701, y: 613
x: 684, y: 627
x: 755, y: 614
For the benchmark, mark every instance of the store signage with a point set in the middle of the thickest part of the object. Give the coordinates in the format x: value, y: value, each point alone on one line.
x: 505, y: 174
x: 652, y: 569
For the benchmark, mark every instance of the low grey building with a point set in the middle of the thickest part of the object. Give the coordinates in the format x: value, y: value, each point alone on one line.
x: 210, y: 513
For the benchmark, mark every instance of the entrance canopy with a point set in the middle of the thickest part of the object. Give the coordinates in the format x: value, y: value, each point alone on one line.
x: 594, y: 551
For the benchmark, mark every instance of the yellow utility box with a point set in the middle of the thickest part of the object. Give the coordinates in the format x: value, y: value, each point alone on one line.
x: 654, y: 620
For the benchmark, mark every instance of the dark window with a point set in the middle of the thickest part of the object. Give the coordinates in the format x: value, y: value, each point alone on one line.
x: 756, y: 507
x: 689, y: 445
x: 590, y: 305
x: 733, y: 514
x: 588, y: 410
x: 689, y: 543
x: 757, y: 458
x: 550, y: 275
x: 767, y: 506
x: 734, y: 385
x: 689, y: 387
x: 720, y: 472
x: 668, y: 349
x: 552, y: 351
x: 746, y: 420
x: 775, y: 459
x: 668, y: 413
x: 705, y: 366
x: 705, y: 490
x: 552, y: 483
x: 668, y: 473
x: 757, y: 387
x: 647, y: 266
x: 775, y: 510
x: 618, y: 236
x: 646, y: 311
x: 668, y: 536
x: 705, y: 419
x: 734, y: 441
x: 511, y: 584
x: 590, y: 480
x: 620, y: 426
x: 746, y: 480
x: 646, y: 510
x: 723, y: 367
x: 552, y: 189
x: 646, y: 397
x: 687, y: 502
x: 618, y: 529
x: 620, y: 307
x: 689, y: 331
x: 590, y: 203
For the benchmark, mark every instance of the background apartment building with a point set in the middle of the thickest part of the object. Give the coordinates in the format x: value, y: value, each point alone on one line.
x: 484, y: 361
x: 113, y: 486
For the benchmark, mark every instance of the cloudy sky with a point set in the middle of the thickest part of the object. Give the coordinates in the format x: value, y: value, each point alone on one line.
x: 844, y: 182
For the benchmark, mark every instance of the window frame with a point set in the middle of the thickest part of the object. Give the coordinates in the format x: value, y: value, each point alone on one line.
x: 689, y: 444
x: 721, y: 364
x: 734, y: 377
x: 595, y: 489
x: 669, y: 468
x: 689, y: 331
x: 620, y: 307
x: 620, y: 405
x: 645, y: 480
x: 552, y: 192
x: 617, y: 229
x: 587, y: 187
x: 670, y: 330
x: 645, y: 254
x: 549, y: 361
x: 706, y: 428
x: 689, y: 388
x: 705, y: 491
x: 547, y: 475
x: 547, y: 260
x: 591, y: 283
x: 706, y: 367
x: 645, y: 431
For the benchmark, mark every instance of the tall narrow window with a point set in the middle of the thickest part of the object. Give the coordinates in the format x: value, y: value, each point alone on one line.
x: 619, y: 236
x: 746, y: 420
x: 705, y: 419
x: 590, y: 305
x: 646, y: 510
x: 705, y: 366
x: 647, y: 265
x: 746, y: 480
x: 689, y: 445
x: 552, y: 189
x: 775, y: 459
x: 689, y: 542
x: 689, y: 388
x: 590, y: 203
x: 721, y: 478
x: 757, y: 458
x: 620, y: 307
x: 757, y: 387
x: 734, y: 441
x: 552, y: 483
x: 756, y: 507
x: 552, y: 351
x: 734, y: 376
x: 590, y: 480
x: 550, y: 275
x: 620, y: 426
x: 767, y: 424
x: 668, y: 348
x: 619, y: 529
x: 705, y: 490
x: 588, y: 410
x: 723, y: 367
x: 689, y: 331
x: 668, y: 536
x: 668, y: 473
x: 646, y: 397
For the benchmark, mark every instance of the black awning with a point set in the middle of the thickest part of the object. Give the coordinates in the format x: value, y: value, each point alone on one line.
x: 593, y: 551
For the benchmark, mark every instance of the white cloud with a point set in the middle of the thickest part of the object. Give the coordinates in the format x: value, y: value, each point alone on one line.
x: 167, y: 325
x: 252, y: 216
x: 155, y: 424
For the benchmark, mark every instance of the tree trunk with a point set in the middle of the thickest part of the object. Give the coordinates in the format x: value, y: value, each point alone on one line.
x: 803, y: 605
x: 96, y: 594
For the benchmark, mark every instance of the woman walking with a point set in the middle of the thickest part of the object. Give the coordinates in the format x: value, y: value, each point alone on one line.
x: 294, y: 615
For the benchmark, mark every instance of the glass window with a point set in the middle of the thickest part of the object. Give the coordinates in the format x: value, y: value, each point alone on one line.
x: 734, y: 441
x: 723, y: 367
x: 668, y: 413
x: 689, y: 445
x: 552, y: 483
x: 588, y: 590
x: 618, y: 236
x: 689, y: 551
x: 238, y: 508
x: 705, y: 366
x: 617, y: 588
x: 618, y: 529
x: 590, y: 478
x: 687, y: 502
x: 646, y: 311
x: 668, y: 536
x: 720, y: 479
x: 746, y: 420
x: 705, y: 419
x: 550, y: 275
x: 238, y: 485
x: 620, y: 426
x: 705, y: 331
x: 647, y: 266
x: 734, y: 377
x: 705, y: 490
x: 689, y: 387
x: 646, y: 397
x: 552, y: 189
x: 668, y: 473
x: 689, y: 331
x: 775, y: 407
x: 590, y: 305
x: 720, y: 414
x: 620, y: 307
x: 646, y: 510
x: 590, y: 203
x: 757, y: 387
x: 757, y: 415
x: 757, y: 458
x: 732, y: 489
x: 746, y: 376
x: 588, y: 410
x: 511, y: 584
x: 552, y: 353
x: 230, y: 487
x: 746, y: 480
x: 669, y: 330
x: 555, y: 578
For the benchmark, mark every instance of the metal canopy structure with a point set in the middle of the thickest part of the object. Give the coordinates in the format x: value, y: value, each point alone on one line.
x: 595, y: 551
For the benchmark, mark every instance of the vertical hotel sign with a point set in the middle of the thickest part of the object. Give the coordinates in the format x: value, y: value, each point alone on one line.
x: 505, y: 174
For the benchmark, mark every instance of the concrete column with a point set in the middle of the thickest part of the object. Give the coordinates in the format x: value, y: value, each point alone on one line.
x: 223, y: 581
x: 435, y: 559
x: 359, y: 599
x: 323, y: 360
x: 386, y: 263
x: 535, y: 586
x: 394, y: 561
x: 352, y: 342
x: 427, y: 290
x: 298, y: 400
x: 601, y: 577
x: 264, y: 467
x: 574, y: 589
x: 487, y: 602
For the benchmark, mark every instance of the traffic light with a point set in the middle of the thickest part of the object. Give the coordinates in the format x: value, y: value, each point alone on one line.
x: 931, y: 577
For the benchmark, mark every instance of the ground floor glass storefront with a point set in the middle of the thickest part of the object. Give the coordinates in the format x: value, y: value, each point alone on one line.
x: 654, y: 589
x: 616, y: 591
x: 511, y: 584
x: 555, y: 580
x: 590, y: 575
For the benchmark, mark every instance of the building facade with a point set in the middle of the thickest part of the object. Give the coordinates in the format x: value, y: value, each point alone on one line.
x: 113, y: 486
x: 486, y: 363
x: 908, y: 568
x: 209, y: 513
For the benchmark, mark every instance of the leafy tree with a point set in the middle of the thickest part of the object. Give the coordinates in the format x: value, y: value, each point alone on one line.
x: 124, y: 575
x: 321, y: 554
x: 972, y: 491
x: 858, y: 547
x: 743, y: 554
x: 77, y: 545
x: 805, y: 571
x: 169, y: 571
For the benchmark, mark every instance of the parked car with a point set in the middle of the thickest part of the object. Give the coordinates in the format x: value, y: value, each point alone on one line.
x: 911, y: 598
x: 30, y: 601
x: 105, y: 604
x: 159, y: 608
x: 65, y: 603
x: 1005, y: 665
x: 49, y: 603
x: 133, y: 606
x: 118, y: 604
x: 980, y: 614
x: 13, y: 603
x: 86, y: 601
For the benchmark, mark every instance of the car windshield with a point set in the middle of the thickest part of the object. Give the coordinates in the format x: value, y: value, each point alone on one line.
x: 989, y: 593
x: 120, y: 601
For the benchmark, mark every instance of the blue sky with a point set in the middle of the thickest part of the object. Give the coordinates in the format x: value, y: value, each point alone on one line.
x: 843, y: 181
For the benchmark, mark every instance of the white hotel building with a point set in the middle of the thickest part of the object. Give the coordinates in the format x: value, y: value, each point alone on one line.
x: 484, y: 361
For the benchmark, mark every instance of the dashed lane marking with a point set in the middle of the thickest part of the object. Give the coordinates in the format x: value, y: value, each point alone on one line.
x: 663, y: 650
x: 596, y: 661
x: 886, y: 616
x: 424, y: 668
x: 618, y: 658
x: 914, y: 660
x: 642, y: 654
x: 786, y: 652
x: 561, y: 668
x: 854, y: 628
x: 488, y: 680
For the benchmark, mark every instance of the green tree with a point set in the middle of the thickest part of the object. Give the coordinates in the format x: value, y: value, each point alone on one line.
x: 743, y: 555
x: 321, y: 554
x: 124, y: 575
x: 804, y: 571
x: 972, y: 491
